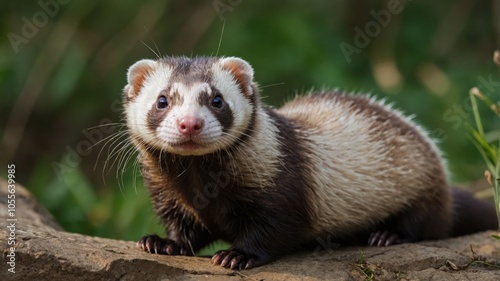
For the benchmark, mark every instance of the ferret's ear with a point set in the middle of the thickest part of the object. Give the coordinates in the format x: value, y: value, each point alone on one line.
x: 136, y: 75
x: 241, y: 70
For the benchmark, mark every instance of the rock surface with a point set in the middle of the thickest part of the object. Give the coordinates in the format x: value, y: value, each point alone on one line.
x: 43, y: 251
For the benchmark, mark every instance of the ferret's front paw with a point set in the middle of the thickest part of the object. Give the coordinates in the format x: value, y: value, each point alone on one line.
x: 234, y: 260
x: 156, y: 245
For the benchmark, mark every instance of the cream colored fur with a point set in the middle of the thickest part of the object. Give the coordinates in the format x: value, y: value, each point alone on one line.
x: 364, y: 170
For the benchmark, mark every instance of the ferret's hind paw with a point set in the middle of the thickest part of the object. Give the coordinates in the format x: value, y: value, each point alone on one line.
x: 156, y: 245
x: 384, y: 238
x: 234, y: 259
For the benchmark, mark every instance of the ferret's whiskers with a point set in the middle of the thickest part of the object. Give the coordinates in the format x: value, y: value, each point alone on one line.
x: 220, y: 38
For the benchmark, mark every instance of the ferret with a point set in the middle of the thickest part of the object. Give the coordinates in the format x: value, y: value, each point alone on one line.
x: 221, y: 165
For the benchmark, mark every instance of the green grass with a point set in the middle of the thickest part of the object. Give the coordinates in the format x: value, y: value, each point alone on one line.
x: 364, y: 268
x: 488, y: 144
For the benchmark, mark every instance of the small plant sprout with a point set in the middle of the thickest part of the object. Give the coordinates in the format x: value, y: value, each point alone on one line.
x: 363, y: 266
x: 488, y: 143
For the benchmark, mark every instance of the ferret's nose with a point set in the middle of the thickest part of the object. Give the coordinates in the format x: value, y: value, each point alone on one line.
x: 190, y: 125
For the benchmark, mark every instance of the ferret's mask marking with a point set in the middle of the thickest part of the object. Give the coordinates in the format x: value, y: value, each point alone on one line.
x: 216, y: 94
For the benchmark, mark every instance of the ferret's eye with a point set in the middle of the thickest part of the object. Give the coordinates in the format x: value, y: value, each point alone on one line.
x: 217, y: 102
x: 162, y: 102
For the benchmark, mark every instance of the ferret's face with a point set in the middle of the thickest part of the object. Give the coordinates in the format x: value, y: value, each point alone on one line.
x: 189, y: 106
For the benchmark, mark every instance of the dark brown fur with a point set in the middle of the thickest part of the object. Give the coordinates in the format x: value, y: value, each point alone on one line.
x: 199, y: 202
x: 470, y: 214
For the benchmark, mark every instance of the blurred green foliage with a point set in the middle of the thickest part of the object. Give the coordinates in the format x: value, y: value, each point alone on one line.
x: 67, y: 75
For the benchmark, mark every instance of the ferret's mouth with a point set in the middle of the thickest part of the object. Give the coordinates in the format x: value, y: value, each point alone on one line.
x: 189, y: 145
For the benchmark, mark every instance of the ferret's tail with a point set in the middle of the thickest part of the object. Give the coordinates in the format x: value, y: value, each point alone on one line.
x: 471, y: 215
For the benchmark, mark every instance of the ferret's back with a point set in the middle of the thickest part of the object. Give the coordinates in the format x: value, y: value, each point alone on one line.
x: 365, y: 155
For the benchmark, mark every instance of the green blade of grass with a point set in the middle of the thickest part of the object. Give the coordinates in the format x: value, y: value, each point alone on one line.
x: 487, y: 152
x: 477, y: 118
